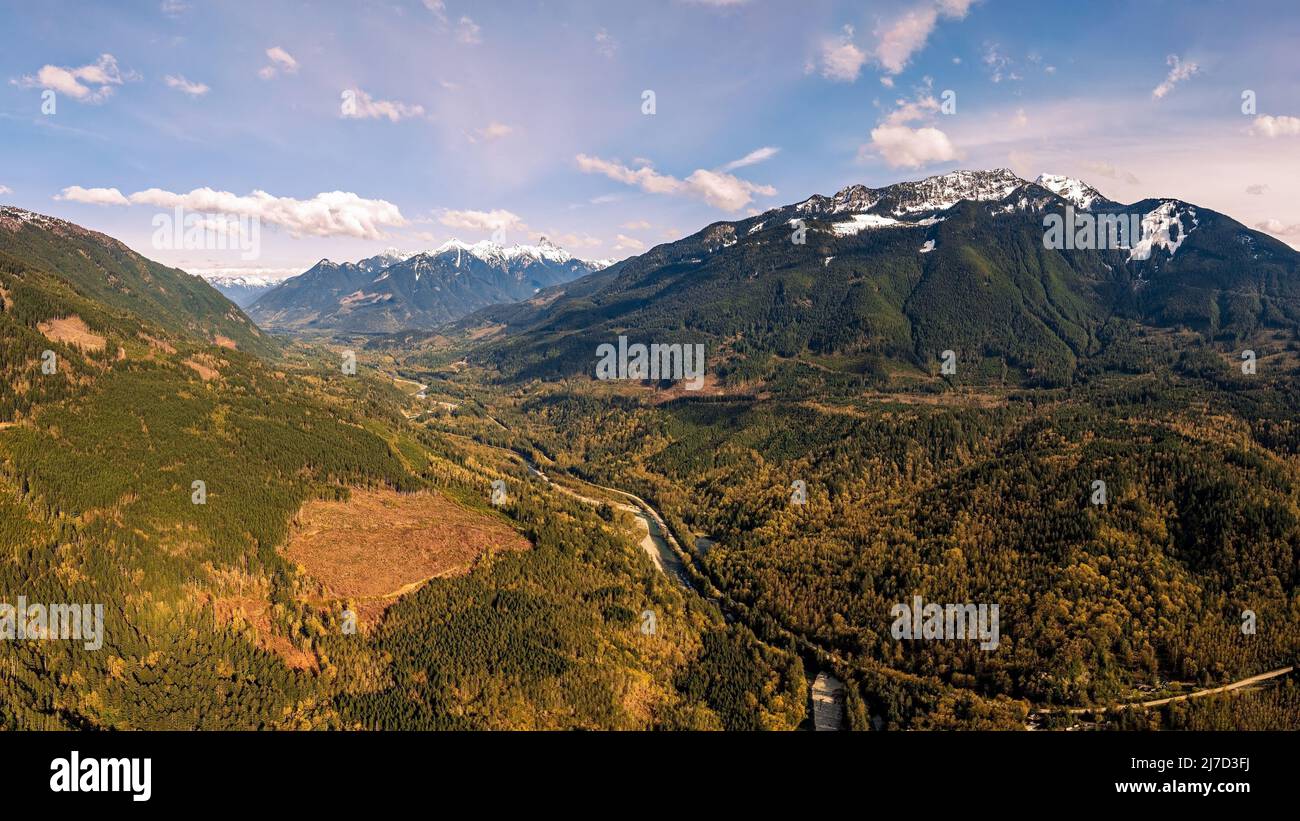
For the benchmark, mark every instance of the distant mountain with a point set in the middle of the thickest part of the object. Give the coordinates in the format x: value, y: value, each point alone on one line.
x: 241, y: 289
x: 393, y: 292
x: 902, y: 273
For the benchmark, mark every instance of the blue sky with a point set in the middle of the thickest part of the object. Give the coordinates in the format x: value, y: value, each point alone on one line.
x: 370, y: 124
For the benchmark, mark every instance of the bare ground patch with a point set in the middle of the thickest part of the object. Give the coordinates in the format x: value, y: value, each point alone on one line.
x: 71, y: 330
x: 204, y: 366
x: 380, y: 544
x: 485, y: 331
x: 245, y: 602
x: 160, y: 344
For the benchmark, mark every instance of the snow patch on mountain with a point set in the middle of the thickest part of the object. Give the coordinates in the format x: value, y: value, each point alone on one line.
x: 863, y: 222
x: 1076, y: 191
x: 1164, y: 228
x: 946, y: 190
x: 241, y: 280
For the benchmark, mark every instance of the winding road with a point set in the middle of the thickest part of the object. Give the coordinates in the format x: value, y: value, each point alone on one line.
x: 1158, y: 702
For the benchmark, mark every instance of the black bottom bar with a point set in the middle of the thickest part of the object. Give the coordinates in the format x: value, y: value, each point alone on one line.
x: 490, y: 770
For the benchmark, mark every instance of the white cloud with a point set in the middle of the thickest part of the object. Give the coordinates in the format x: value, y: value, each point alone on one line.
x: 486, y: 221
x: 568, y: 240
x: 1020, y: 120
x: 328, y: 214
x: 998, y: 64
x: 902, y: 146
x: 754, y: 157
x: 955, y: 9
x: 439, y: 9
x: 173, y: 8
x: 362, y: 106
x: 1257, y: 189
x: 281, y: 60
x: 606, y: 45
x: 925, y: 105
x: 92, y: 196
x: 4, y: 189
x: 717, y: 188
x: 897, y: 42
x: 469, y: 32
x: 841, y: 59
x: 184, y: 86
x: 905, y: 36
x: 1178, y: 71
x: 491, y: 132
x: 626, y: 243
x: 1270, y: 126
x: 646, y: 178
x: 1278, y: 228
x: 723, y: 190
x: 92, y: 83
x: 636, y: 225
x: 1105, y: 169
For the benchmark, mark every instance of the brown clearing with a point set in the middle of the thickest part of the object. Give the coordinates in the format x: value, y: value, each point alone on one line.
x: 255, y: 611
x: 71, y: 330
x: 486, y: 331
x: 205, y: 371
x: 381, y: 544
x: 225, y: 342
x: 160, y: 344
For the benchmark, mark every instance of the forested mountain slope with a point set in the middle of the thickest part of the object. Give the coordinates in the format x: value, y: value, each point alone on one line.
x: 161, y: 470
x: 872, y: 279
x: 1113, y: 463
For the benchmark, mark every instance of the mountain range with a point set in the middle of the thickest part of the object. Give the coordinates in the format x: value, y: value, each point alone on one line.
x: 872, y: 279
x: 242, y: 289
x: 164, y: 389
x: 392, y: 291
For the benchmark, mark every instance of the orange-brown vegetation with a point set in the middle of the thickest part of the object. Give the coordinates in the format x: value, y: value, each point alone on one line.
x: 71, y: 330
x: 381, y: 544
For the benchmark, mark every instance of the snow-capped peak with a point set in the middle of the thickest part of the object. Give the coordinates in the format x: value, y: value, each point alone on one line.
x: 930, y: 194
x: 493, y: 253
x: 394, y: 255
x: 1076, y: 191
x: 946, y: 190
x: 245, y: 280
